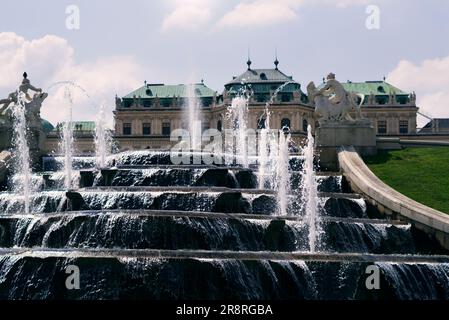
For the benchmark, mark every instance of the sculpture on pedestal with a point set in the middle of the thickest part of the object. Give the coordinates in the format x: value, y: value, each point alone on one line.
x: 333, y: 103
x: 333, y: 106
x: 33, y: 106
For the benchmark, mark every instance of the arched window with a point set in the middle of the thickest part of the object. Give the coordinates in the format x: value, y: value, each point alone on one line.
x: 285, y: 122
x: 305, y: 124
x: 219, y: 125
x: 261, y: 123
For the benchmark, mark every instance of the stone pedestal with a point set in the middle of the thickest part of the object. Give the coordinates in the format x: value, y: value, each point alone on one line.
x: 330, y: 136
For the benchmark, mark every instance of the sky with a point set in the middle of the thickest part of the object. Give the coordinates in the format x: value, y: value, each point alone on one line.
x: 111, y: 47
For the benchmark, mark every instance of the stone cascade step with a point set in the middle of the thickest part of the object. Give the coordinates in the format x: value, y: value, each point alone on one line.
x: 153, y: 229
x: 186, y: 274
x: 215, y: 199
x: 146, y: 227
x: 173, y: 176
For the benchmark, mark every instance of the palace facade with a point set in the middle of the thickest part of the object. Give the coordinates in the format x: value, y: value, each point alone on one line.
x: 145, y: 117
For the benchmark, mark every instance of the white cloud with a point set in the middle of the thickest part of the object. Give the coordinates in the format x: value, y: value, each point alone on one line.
x: 51, y: 59
x: 260, y: 13
x: 188, y: 14
x: 257, y: 13
x: 430, y: 80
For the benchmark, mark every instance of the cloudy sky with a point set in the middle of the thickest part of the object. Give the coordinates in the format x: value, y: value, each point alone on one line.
x: 119, y: 44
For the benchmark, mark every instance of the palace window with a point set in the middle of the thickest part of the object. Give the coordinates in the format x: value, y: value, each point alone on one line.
x: 146, y: 103
x: 166, y: 130
x: 305, y: 124
x: 261, y: 97
x: 146, y: 129
x: 381, y: 127
x: 285, y: 123
x: 127, y: 129
x: 286, y: 97
x: 381, y: 100
x: 166, y: 103
x: 403, y: 126
x: 206, y: 103
x: 402, y: 100
x: 219, y: 125
x: 261, y: 123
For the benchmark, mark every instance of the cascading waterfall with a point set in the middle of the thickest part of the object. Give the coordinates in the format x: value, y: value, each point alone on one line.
x: 194, y: 118
x: 263, y: 157
x: 310, y: 193
x: 22, y: 150
x: 283, y: 173
x: 265, y: 139
x: 67, y: 141
x: 103, y: 139
x: 239, y: 118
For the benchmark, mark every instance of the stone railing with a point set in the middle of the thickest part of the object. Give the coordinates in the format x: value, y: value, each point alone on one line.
x: 390, y: 201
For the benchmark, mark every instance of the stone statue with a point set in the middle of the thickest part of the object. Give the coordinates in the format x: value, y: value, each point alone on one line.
x: 333, y: 103
x: 12, y: 97
x: 33, y: 106
x: 118, y: 102
x: 413, y: 98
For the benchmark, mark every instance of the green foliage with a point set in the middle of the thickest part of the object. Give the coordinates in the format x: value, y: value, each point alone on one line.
x: 419, y: 173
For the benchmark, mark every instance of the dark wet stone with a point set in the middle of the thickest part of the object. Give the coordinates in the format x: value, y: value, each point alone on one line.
x: 217, y: 178
x: 246, y: 179
x: 264, y: 204
x: 343, y: 208
x: 232, y: 202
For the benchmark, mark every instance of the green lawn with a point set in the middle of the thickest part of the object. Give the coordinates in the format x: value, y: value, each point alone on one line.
x: 420, y: 173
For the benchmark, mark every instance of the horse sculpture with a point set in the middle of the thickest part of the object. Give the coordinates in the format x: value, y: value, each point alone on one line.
x: 333, y: 103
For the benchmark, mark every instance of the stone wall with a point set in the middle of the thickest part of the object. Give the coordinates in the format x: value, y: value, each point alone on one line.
x: 389, y: 201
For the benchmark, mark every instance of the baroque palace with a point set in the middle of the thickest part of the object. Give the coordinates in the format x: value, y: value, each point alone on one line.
x: 145, y: 118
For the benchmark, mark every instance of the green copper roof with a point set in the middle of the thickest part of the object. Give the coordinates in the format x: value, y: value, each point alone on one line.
x: 373, y: 87
x: 261, y: 76
x: 47, y: 126
x: 79, y: 125
x: 169, y: 91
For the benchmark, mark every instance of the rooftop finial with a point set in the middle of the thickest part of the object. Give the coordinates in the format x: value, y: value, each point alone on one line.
x: 249, y: 60
x: 276, y: 62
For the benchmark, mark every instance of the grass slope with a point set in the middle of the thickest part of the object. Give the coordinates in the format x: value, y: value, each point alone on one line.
x: 419, y: 173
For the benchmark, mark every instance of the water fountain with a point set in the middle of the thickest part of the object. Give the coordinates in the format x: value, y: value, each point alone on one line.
x: 66, y: 144
x: 283, y: 173
x: 103, y: 139
x: 22, y: 151
x: 263, y: 158
x: 309, y: 193
x: 266, y: 138
x: 212, y: 230
x: 239, y: 117
x: 194, y: 118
